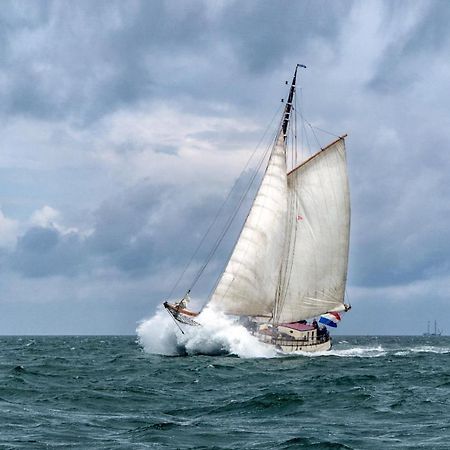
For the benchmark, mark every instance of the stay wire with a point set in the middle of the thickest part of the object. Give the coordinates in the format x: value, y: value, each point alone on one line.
x: 244, y: 195
x: 295, y: 131
x: 305, y: 134
x: 230, y: 221
x: 238, y: 208
x: 222, y: 206
x: 312, y: 127
x: 325, y: 131
x: 314, y: 134
x: 176, y: 322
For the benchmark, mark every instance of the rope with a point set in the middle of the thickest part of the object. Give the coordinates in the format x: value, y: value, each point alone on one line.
x: 325, y: 131
x: 315, y: 136
x: 230, y: 221
x: 227, y: 226
x: 317, y: 128
x: 295, y: 131
x: 237, y: 209
x: 176, y: 322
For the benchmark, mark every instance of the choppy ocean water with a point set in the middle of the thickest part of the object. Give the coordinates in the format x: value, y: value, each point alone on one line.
x: 108, y: 393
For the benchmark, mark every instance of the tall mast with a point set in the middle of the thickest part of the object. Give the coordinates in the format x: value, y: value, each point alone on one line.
x: 288, y: 107
x: 283, y: 131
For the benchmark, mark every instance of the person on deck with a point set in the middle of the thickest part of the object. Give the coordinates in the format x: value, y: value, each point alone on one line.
x: 184, y: 301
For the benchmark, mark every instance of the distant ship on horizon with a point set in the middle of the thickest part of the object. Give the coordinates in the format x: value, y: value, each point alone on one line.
x: 437, y: 332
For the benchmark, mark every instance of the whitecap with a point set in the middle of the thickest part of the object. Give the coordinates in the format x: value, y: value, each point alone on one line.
x: 218, y: 334
x: 355, y: 352
x: 429, y: 349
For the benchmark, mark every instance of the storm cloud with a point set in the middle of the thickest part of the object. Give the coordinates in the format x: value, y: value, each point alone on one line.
x: 124, y: 125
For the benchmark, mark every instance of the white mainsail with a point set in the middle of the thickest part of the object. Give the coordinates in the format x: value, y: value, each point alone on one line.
x: 315, y: 263
x: 250, y: 281
x: 290, y: 261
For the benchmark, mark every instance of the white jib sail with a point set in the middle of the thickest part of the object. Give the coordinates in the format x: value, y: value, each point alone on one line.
x: 249, y: 283
x: 315, y: 264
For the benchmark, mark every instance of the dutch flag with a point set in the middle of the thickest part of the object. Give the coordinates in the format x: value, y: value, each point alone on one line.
x: 330, y: 319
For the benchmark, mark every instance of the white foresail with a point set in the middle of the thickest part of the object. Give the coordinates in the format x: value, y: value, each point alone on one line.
x: 315, y: 263
x: 250, y: 281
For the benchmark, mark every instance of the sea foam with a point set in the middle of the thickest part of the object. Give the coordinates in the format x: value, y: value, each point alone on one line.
x: 353, y: 352
x: 217, y: 335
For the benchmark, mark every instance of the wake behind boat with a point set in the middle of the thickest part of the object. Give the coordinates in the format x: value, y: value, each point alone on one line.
x: 289, y: 264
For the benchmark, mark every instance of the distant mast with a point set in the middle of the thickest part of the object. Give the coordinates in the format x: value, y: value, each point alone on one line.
x: 436, y: 332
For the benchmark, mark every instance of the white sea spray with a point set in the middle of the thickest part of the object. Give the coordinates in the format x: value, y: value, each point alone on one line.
x: 218, y: 334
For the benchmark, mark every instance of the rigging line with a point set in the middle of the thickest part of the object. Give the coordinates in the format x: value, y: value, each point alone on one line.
x: 295, y: 131
x: 293, y: 144
x: 283, y: 282
x: 228, y: 224
x: 283, y: 120
x: 304, y: 121
x: 244, y: 195
x: 222, y: 206
x: 315, y: 136
x: 294, y: 207
x: 271, y: 144
x: 302, y: 137
x: 346, y: 296
x: 317, y: 128
x: 325, y: 131
x: 176, y: 322
x: 230, y: 221
x: 305, y: 138
x: 305, y: 134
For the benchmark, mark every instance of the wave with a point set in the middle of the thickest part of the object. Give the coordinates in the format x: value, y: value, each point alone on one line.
x: 378, y: 351
x: 218, y: 335
x: 355, y: 352
x: 423, y: 349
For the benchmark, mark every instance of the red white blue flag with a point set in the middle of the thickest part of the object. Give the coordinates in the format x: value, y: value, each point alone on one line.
x: 330, y: 319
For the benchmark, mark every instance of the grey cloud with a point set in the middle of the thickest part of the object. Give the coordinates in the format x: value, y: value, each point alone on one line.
x: 91, y: 59
x: 399, y: 230
x: 42, y: 252
x: 263, y: 34
x: 152, y: 227
x: 145, y: 229
x: 87, y: 65
x: 431, y: 34
x: 166, y: 149
x: 406, y: 59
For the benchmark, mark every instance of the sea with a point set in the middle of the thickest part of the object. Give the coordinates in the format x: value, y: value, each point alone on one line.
x: 162, y: 389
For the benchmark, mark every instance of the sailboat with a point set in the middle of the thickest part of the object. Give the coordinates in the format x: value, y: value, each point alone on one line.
x: 437, y: 332
x: 287, y: 272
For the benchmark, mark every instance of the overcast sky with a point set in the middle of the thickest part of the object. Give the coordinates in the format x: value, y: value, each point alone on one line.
x: 124, y: 124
